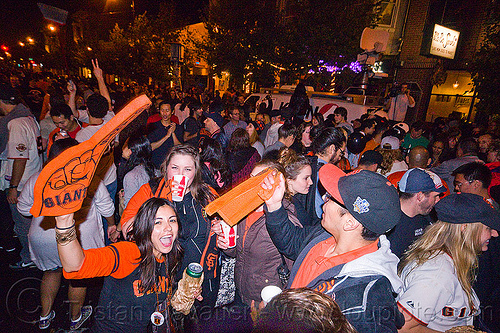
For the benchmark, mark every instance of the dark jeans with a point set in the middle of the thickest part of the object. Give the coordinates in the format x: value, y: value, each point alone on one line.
x: 6, y: 222
x: 21, y: 228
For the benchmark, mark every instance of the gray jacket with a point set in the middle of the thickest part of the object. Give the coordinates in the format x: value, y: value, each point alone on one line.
x: 445, y: 169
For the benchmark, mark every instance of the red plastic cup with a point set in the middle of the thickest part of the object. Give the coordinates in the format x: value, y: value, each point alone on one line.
x: 179, y: 186
x: 229, y: 234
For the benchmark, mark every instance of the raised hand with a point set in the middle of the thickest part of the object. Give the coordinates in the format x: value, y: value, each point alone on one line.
x: 97, y: 70
x: 62, y: 185
x: 71, y: 87
x: 274, y: 202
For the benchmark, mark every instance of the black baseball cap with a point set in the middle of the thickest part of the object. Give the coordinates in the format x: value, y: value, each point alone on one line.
x: 369, y: 197
x: 467, y: 208
x: 370, y: 157
x: 216, y: 117
x: 7, y: 93
x: 274, y: 113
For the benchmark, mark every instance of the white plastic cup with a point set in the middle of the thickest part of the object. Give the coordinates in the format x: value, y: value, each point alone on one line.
x: 229, y: 234
x: 269, y: 292
x: 179, y: 186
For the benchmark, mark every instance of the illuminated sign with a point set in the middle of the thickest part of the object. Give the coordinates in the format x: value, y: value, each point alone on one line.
x: 444, y: 42
x: 377, y: 67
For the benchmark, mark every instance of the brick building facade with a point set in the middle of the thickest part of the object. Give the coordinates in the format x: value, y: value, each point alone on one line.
x: 468, y: 17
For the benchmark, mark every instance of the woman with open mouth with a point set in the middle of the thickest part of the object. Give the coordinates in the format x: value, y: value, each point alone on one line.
x: 138, y: 273
x: 196, y: 239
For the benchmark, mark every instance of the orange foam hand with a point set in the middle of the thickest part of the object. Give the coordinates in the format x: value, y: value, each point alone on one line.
x: 63, y: 182
x: 243, y: 199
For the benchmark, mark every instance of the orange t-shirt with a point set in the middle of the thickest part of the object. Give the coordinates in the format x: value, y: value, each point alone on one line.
x: 315, y: 263
x: 144, y: 193
x: 106, y: 261
x: 370, y: 145
x: 395, y: 177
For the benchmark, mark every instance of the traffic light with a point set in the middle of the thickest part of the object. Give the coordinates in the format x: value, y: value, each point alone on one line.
x: 5, y: 48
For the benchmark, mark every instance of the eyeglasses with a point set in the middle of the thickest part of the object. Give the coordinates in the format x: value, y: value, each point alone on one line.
x: 327, y: 197
x: 458, y: 185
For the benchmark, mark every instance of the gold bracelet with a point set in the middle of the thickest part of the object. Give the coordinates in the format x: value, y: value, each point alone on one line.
x: 66, y: 237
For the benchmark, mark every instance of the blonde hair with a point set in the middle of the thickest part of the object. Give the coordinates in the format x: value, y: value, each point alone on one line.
x: 390, y: 156
x: 460, y: 241
x: 267, y: 120
x: 293, y: 164
x: 254, y: 137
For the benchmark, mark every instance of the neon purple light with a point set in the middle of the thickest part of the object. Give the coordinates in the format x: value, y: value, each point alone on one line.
x: 355, y: 67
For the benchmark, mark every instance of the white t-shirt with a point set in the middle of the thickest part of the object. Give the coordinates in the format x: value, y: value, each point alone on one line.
x: 24, y: 136
x: 83, y: 116
x: 86, y: 133
x: 42, y: 240
x: 399, y: 106
x: 397, y: 166
x: 433, y: 295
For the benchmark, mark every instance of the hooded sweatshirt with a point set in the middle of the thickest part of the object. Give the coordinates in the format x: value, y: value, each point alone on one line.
x: 363, y: 287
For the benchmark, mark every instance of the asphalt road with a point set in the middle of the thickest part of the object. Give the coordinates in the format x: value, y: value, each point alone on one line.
x: 20, y: 299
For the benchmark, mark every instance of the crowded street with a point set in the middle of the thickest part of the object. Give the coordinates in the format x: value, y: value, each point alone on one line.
x: 188, y: 166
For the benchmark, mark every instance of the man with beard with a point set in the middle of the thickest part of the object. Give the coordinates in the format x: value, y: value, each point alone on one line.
x: 328, y: 147
x: 419, y: 191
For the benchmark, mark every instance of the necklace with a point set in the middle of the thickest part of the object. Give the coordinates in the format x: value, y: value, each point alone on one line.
x: 158, y: 316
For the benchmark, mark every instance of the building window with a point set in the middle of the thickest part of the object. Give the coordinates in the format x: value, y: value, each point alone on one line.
x: 387, y: 13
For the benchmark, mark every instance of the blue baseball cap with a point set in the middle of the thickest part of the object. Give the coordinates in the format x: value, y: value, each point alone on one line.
x: 420, y: 180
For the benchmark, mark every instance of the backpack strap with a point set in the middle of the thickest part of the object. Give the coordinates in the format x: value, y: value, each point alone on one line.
x: 154, y: 184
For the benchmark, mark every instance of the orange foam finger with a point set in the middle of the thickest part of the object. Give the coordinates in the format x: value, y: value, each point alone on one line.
x: 243, y: 199
x: 63, y: 182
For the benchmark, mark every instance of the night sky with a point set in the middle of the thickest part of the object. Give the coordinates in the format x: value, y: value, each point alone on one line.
x: 22, y: 18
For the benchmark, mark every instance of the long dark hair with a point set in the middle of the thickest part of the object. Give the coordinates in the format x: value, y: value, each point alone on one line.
x: 141, y: 235
x: 212, y: 153
x: 201, y: 192
x: 141, y: 154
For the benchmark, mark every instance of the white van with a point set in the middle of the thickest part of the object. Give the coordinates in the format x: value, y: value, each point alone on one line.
x: 353, y: 99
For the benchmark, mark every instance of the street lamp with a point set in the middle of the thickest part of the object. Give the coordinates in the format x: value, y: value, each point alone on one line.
x: 21, y: 44
x: 51, y: 27
x: 30, y: 40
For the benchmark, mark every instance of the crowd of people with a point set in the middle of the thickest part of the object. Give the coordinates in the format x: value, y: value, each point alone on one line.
x: 372, y: 225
